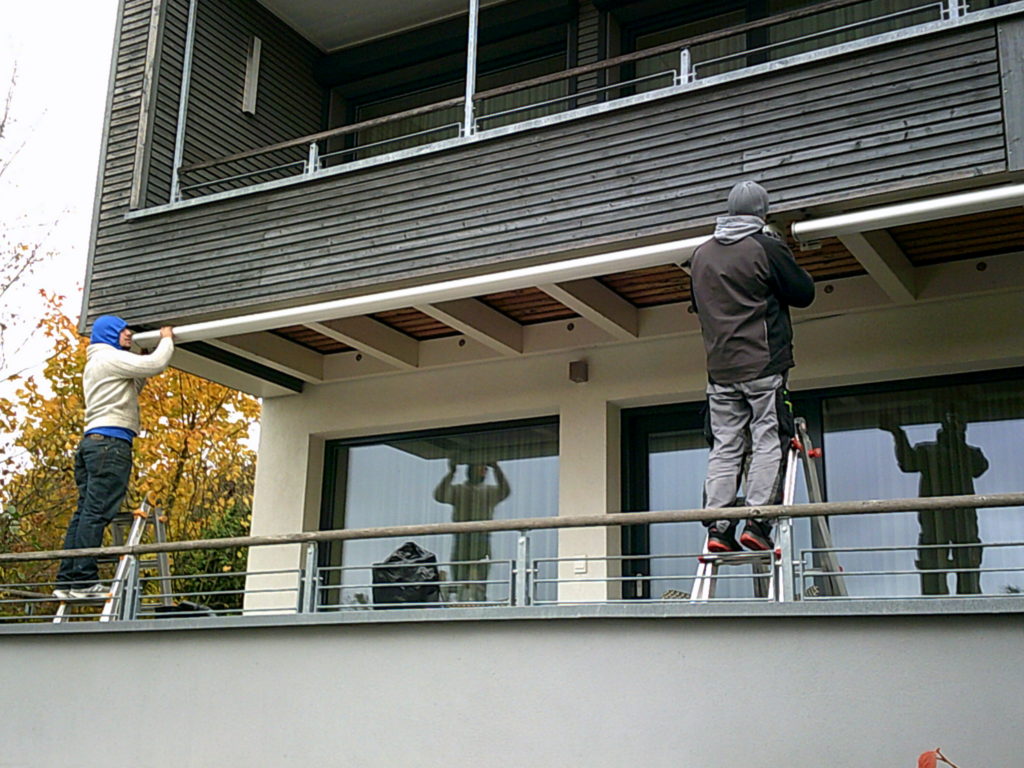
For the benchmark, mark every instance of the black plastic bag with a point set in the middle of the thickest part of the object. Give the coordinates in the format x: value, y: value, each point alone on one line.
x: 414, y: 576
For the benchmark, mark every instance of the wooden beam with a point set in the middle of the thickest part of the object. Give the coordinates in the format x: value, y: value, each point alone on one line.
x: 372, y: 338
x: 885, y: 261
x: 479, y: 322
x: 599, y: 304
x: 277, y: 353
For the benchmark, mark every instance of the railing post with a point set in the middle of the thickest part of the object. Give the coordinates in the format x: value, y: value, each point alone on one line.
x: 685, y: 67
x: 953, y: 10
x: 785, y: 590
x: 471, y: 45
x: 313, y: 161
x: 186, y: 79
x: 310, y: 581
x: 522, y: 570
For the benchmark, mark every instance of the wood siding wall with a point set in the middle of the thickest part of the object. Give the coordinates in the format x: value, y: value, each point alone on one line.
x: 289, y: 103
x: 873, y: 122
x: 168, y: 93
x: 1011, y: 65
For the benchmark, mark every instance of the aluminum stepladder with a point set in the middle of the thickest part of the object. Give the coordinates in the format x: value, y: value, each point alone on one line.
x: 114, y: 604
x: 772, y: 562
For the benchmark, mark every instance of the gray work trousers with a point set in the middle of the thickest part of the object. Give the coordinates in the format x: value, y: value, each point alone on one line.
x: 748, y: 418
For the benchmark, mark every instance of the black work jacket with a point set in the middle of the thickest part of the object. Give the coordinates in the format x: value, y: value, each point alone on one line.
x: 742, y: 293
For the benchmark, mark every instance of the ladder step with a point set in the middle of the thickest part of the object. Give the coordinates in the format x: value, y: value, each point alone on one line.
x: 737, y: 558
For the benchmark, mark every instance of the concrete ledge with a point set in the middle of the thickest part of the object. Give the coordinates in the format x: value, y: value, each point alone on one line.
x: 668, y: 609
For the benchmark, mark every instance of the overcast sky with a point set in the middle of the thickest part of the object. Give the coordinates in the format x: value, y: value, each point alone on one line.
x: 62, y: 50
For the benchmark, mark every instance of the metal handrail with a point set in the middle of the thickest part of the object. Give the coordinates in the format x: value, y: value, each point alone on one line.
x: 828, y: 508
x: 564, y: 74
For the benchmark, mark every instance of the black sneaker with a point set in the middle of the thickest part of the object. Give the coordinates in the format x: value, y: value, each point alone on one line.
x: 722, y: 541
x: 757, y: 536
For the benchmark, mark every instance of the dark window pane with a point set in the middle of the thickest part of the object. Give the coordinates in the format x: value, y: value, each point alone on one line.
x: 928, y: 442
x: 500, y: 473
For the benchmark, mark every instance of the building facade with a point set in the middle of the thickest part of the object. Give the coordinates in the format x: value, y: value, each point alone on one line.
x: 443, y: 244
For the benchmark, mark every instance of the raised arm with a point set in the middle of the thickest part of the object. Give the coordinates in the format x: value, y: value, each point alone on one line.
x: 133, y: 366
x: 791, y: 282
x: 504, y: 489
x: 443, y: 492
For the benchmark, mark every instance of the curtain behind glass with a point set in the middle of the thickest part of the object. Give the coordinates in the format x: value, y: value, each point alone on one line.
x: 447, y: 120
x: 703, y: 55
x: 498, y: 474
x: 677, y: 463
x: 937, y: 441
x: 901, y: 14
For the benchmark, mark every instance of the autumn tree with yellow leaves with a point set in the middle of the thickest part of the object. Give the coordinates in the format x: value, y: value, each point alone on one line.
x: 192, y: 454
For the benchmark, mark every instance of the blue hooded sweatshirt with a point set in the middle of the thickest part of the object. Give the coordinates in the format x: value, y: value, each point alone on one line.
x: 107, y: 330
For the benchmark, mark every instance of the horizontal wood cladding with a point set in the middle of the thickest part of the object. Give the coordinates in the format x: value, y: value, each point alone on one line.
x: 289, y: 103
x: 165, y: 109
x: 123, y: 121
x: 882, y: 120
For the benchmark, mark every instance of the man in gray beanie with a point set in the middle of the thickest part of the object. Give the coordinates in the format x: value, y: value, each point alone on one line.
x: 743, y: 283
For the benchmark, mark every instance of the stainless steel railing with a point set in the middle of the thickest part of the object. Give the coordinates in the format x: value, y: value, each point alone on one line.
x: 305, y: 156
x: 521, y: 581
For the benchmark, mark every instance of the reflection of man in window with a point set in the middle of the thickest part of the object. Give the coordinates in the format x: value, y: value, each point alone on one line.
x: 948, y: 467
x: 472, y: 500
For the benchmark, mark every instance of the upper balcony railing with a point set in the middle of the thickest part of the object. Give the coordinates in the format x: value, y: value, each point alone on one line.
x: 791, y: 573
x: 653, y: 72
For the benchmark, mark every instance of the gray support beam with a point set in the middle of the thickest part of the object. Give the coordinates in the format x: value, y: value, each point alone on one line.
x: 885, y: 261
x: 186, y: 80
x: 277, y: 353
x: 599, y: 304
x: 471, y: 48
x: 372, y: 338
x: 1011, y: 70
x: 479, y: 322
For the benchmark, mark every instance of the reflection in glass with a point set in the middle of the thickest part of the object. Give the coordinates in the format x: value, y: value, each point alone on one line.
x: 502, y: 472
x: 473, y: 499
x: 924, y: 442
x: 677, y: 462
x: 948, y: 466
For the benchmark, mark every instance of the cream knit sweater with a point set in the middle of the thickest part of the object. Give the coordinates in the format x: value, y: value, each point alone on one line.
x: 113, y: 379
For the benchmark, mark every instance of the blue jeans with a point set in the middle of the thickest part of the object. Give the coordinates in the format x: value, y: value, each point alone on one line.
x: 102, y: 468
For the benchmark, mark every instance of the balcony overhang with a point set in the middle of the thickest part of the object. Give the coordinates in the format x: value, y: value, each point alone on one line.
x: 926, y: 250
x: 331, y: 25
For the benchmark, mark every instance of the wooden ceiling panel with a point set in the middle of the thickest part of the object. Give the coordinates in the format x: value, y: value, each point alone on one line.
x: 310, y: 339
x: 414, y: 323
x: 962, y: 237
x: 528, y: 306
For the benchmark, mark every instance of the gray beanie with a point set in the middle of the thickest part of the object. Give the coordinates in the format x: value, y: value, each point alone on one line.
x: 748, y: 198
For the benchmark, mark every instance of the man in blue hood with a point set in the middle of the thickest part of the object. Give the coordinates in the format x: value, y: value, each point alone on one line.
x: 111, y: 382
x: 743, y: 283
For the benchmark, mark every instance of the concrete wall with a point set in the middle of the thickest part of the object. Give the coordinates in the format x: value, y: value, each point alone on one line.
x: 968, y: 334
x: 588, y: 692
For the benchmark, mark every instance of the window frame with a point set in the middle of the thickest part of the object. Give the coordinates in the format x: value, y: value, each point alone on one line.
x: 638, y: 423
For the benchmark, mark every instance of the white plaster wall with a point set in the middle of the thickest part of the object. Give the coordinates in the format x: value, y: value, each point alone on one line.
x: 656, y: 693
x: 977, y: 333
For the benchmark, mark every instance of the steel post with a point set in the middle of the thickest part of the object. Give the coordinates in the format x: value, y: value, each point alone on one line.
x: 685, y: 67
x: 521, y: 576
x: 471, y: 47
x: 313, y: 160
x: 786, y: 574
x: 186, y: 78
x: 310, y: 592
